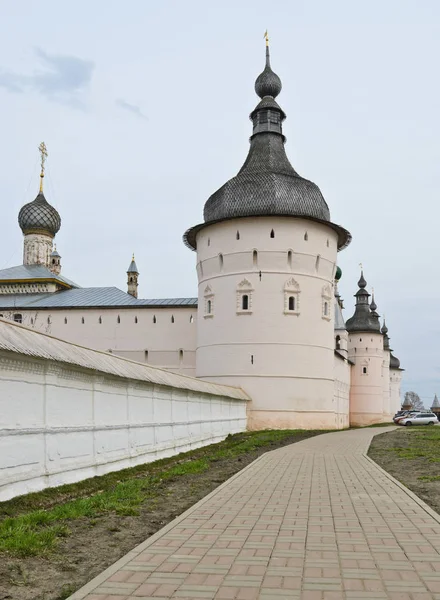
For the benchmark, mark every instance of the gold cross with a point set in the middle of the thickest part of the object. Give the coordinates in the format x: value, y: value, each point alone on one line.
x: 362, y: 268
x: 266, y: 37
x: 43, y: 152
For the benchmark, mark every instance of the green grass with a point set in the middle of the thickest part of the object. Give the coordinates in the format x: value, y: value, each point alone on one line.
x: 422, y: 442
x: 429, y: 478
x: 33, y: 524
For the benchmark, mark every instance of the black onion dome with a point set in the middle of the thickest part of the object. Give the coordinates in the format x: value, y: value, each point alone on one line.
x: 39, y: 216
x: 268, y: 83
x: 363, y: 320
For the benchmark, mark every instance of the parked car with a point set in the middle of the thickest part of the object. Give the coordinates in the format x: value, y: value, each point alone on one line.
x: 403, y: 415
x: 419, y: 419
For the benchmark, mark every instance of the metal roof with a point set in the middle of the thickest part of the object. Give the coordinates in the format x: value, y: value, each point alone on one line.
x: 105, y: 297
x: 21, y: 340
x: 39, y: 215
x: 30, y: 272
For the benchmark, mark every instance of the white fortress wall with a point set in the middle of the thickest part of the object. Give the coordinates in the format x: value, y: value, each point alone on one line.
x: 68, y: 413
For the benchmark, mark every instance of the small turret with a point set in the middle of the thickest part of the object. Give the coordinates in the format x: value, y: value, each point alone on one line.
x: 436, y: 407
x: 55, y: 262
x: 364, y: 319
x: 132, y: 279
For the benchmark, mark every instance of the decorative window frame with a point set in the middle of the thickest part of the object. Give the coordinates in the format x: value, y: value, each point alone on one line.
x: 244, y: 288
x: 209, y: 297
x: 291, y: 288
x: 326, y: 296
x: 364, y: 365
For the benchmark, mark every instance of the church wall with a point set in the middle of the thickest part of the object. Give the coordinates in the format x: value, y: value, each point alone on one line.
x: 388, y: 412
x: 164, y: 343
x: 366, y: 391
x: 283, y: 358
x: 62, y: 423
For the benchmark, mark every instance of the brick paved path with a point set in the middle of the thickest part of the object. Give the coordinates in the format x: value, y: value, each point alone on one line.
x: 314, y: 520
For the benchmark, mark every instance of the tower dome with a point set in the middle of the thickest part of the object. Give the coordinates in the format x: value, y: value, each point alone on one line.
x: 39, y: 217
x: 267, y: 184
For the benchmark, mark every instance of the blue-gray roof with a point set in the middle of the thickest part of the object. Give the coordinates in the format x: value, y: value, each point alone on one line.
x: 105, y: 297
x: 30, y: 272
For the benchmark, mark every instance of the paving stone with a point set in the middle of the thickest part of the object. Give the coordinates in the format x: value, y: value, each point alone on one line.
x: 316, y: 520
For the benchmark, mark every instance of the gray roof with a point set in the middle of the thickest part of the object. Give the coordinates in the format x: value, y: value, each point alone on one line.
x: 39, y: 272
x: 394, y: 362
x: 339, y: 319
x: 102, y: 297
x: 20, y: 340
x: 133, y: 267
x: 267, y: 184
x: 39, y: 215
x: 363, y: 320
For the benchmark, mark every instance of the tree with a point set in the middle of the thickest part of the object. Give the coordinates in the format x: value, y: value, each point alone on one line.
x: 413, y: 400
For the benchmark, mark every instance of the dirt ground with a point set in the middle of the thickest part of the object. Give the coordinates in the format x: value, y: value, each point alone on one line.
x: 94, y: 544
x: 408, y: 454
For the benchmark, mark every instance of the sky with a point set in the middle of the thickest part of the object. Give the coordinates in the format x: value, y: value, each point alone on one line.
x: 144, y: 107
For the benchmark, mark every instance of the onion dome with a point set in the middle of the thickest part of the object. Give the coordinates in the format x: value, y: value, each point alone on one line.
x: 386, y: 339
x: 338, y: 273
x: 39, y: 217
x: 363, y: 319
x: 394, y: 362
x: 268, y: 83
x: 384, y: 329
x: 267, y: 184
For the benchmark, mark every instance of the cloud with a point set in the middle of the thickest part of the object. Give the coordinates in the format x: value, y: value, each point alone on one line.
x: 133, y: 108
x: 64, y: 79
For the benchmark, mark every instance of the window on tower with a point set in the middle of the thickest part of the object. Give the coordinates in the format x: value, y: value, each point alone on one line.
x: 272, y: 234
x: 291, y: 303
x: 245, y: 302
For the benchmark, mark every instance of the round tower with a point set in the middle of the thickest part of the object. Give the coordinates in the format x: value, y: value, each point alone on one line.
x: 39, y: 222
x: 266, y: 261
x: 396, y: 373
x: 365, y: 350
x: 132, y: 279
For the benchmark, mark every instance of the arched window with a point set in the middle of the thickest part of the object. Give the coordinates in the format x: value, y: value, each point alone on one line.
x: 245, y: 302
x: 191, y: 319
x: 209, y: 307
x: 135, y: 319
x: 100, y: 320
x: 65, y: 320
x: 326, y: 309
x: 364, y: 370
x: 220, y: 260
x: 53, y: 261
x: 291, y: 303
x: 82, y: 320
x: 255, y: 258
x: 272, y: 234
x: 172, y: 318
x: 306, y: 236
x: 238, y: 235
x: 289, y: 259
x: 338, y: 342
x: 119, y: 319
x: 131, y: 279
x: 154, y: 319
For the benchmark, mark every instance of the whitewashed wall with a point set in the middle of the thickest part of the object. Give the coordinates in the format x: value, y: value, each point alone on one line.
x: 61, y: 423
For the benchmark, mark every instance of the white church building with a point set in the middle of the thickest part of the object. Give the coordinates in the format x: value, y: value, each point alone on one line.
x: 267, y: 317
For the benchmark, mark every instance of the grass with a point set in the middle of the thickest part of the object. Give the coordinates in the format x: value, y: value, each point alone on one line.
x: 33, y: 524
x: 422, y: 442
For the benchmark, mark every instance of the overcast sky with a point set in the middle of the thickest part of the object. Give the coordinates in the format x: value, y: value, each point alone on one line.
x: 144, y: 110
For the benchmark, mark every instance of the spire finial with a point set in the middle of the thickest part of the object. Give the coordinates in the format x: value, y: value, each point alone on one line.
x: 43, y: 155
x: 266, y: 37
x: 133, y: 256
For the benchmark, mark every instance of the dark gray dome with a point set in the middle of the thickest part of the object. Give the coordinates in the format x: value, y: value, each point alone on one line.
x: 39, y: 216
x: 267, y: 184
x: 394, y: 362
x: 268, y: 83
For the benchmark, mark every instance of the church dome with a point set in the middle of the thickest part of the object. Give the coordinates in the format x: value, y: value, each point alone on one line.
x: 267, y: 184
x: 394, y: 362
x: 39, y: 217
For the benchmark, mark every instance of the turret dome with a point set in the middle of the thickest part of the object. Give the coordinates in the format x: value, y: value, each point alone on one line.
x: 39, y: 217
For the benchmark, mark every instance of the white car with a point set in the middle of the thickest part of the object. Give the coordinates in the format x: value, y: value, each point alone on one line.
x: 420, y: 419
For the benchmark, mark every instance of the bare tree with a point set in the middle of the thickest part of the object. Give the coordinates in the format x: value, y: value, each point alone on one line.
x: 413, y: 399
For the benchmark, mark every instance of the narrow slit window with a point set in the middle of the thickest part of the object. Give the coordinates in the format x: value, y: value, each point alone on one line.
x: 65, y: 320
x: 209, y: 307
x: 291, y: 303
x: 237, y: 235
x: 328, y: 243
x: 135, y: 319
x: 364, y: 370
x: 272, y: 234
x: 100, y: 320
x: 154, y: 319
x: 245, y: 302
x: 318, y: 260
x: 82, y: 320
x: 220, y: 260
x: 209, y: 241
x: 306, y: 236
x: 146, y: 355
x: 180, y: 355
x: 338, y: 342
x: 289, y: 259
x: 252, y: 359
x: 191, y: 319
x: 255, y: 258
x: 119, y: 319
x: 172, y: 318
x: 326, y: 309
